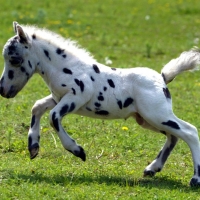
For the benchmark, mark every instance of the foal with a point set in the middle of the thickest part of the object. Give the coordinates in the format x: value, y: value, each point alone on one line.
x: 81, y: 85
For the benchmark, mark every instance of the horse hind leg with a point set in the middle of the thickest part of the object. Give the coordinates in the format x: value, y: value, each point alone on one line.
x: 183, y: 130
x: 159, y: 161
x: 174, y: 128
x: 189, y: 134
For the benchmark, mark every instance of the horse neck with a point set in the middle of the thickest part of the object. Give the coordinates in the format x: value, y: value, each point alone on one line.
x: 51, y: 56
x: 45, y: 55
x: 51, y: 60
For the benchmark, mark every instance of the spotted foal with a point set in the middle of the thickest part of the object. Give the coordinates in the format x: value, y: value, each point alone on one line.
x: 80, y: 85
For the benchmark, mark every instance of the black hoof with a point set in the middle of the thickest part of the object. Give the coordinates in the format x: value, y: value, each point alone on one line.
x: 149, y: 173
x: 34, y: 149
x: 81, y: 153
x: 194, y: 182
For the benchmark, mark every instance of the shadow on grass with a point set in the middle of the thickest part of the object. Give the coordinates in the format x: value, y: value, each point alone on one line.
x: 72, y: 179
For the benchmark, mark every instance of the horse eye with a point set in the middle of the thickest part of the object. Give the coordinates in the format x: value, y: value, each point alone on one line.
x: 15, y: 60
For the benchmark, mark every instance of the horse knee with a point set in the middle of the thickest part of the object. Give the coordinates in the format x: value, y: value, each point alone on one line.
x: 42, y: 105
x: 37, y: 108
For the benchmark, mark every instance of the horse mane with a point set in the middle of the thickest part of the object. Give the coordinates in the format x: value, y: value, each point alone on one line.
x: 54, y: 39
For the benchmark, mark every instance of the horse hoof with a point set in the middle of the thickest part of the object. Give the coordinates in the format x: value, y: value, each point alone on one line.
x: 81, y: 153
x: 194, y: 182
x: 149, y: 173
x: 34, y: 149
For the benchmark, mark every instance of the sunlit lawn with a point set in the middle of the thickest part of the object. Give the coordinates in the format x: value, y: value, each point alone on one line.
x: 129, y: 33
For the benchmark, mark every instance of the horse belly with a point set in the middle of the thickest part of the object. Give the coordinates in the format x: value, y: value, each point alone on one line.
x: 109, y: 112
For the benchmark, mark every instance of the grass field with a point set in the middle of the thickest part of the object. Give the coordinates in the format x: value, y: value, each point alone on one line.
x: 130, y: 33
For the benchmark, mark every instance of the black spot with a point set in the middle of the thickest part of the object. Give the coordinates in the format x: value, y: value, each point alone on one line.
x: 167, y: 93
x: 171, y: 124
x: 169, y: 149
x: 11, y: 49
x: 97, y: 104
x: 128, y: 102
x: 64, y: 56
x: 100, y: 98
x: 32, y: 121
x: 64, y: 110
x: 114, y: 69
x: 10, y: 74
x: 77, y: 81
x: 102, y: 112
x: 174, y: 140
x: 198, y: 170
x: 158, y: 156
x: 119, y: 104
x: 47, y: 54
x: 81, y: 86
x: 67, y: 71
x: 74, y: 91
x: 22, y: 69
x: 92, y: 78
x: 29, y: 63
x: 72, y: 107
x: 165, y: 155
x: 29, y: 141
x: 42, y: 72
x: 110, y: 82
x: 10, y: 52
x: 59, y: 51
x: 34, y: 36
x: 63, y: 85
x: 96, y: 69
x: 104, y: 88
x: 26, y: 47
x: 55, y: 121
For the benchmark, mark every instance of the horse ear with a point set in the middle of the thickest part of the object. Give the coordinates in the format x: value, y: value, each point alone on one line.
x: 15, y: 27
x: 22, y: 35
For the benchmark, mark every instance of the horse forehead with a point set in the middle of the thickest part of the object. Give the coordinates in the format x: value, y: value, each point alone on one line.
x: 11, y: 46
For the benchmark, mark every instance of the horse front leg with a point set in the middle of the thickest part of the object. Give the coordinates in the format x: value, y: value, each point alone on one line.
x: 39, y: 108
x: 65, y: 106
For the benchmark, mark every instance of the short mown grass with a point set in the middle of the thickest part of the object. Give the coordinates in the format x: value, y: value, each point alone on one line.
x: 129, y: 33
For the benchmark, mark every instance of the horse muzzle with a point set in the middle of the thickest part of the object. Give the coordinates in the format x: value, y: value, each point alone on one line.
x: 10, y: 93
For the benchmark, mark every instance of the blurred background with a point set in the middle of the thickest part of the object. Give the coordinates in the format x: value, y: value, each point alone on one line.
x: 128, y: 32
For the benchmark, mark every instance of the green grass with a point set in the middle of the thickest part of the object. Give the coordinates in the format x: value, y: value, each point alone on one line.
x: 130, y: 33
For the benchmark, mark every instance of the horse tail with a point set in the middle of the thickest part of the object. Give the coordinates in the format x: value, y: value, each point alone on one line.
x: 188, y: 60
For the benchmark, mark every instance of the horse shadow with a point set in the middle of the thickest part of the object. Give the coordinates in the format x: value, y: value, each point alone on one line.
x: 159, y: 182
